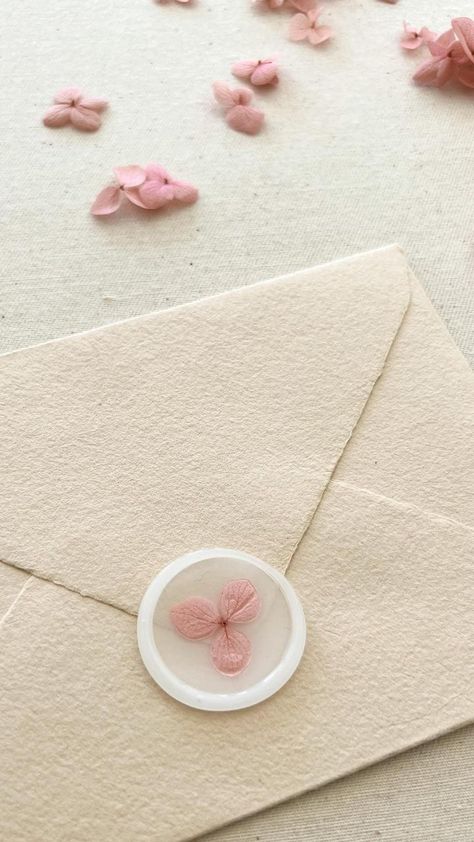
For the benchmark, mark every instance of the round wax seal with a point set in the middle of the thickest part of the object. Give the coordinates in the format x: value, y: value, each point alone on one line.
x: 220, y: 630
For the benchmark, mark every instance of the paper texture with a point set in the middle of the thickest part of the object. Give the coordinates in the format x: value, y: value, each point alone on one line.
x: 215, y: 424
x: 386, y: 580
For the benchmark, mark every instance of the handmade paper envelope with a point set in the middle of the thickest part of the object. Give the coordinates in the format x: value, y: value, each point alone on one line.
x: 324, y: 422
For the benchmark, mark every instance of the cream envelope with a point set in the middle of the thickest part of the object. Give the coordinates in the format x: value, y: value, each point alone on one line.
x: 324, y: 422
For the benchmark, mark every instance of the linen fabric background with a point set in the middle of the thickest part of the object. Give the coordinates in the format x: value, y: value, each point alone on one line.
x: 353, y: 157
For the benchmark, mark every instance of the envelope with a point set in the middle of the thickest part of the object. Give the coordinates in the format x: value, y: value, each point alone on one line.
x: 323, y: 422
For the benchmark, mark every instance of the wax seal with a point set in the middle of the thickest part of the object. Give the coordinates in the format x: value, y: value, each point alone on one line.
x: 220, y: 630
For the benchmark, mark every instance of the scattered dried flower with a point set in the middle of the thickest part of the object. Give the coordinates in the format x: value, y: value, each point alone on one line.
x: 261, y: 72
x: 149, y: 187
x: 412, y: 38
x: 306, y: 26
x: 239, y: 114
x: 72, y: 106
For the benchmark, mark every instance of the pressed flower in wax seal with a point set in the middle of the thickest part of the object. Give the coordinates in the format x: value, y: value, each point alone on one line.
x: 197, y: 618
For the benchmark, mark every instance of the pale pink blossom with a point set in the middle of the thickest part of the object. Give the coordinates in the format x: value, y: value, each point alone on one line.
x: 260, y: 72
x: 72, y: 106
x: 306, y: 26
x: 149, y: 187
x: 412, y: 38
x: 197, y: 618
x: 239, y: 114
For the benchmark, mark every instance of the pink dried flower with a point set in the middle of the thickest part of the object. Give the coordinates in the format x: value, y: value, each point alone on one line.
x: 72, y: 106
x: 464, y: 29
x: 450, y: 58
x: 149, y: 187
x: 110, y: 198
x: 261, y: 72
x: 305, y: 26
x: 159, y: 188
x: 412, y: 38
x: 198, y: 618
x: 239, y: 114
x: 438, y: 69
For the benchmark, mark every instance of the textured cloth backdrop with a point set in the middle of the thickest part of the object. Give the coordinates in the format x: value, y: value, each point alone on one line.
x: 353, y: 157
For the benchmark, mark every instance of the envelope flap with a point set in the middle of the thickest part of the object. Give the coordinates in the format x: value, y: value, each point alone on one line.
x: 214, y: 424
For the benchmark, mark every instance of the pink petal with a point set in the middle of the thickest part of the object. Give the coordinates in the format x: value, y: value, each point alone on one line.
x: 427, y: 35
x: 299, y: 27
x: 57, y: 115
x: 320, y: 35
x: 244, y: 118
x: 410, y: 43
x: 239, y: 601
x: 465, y: 75
x: 434, y: 72
x: 230, y: 651
x: 223, y: 94
x: 426, y: 73
x: 464, y: 29
x: 410, y: 39
x: 266, y: 73
x: 314, y: 14
x: 155, y: 194
x: 66, y: 96
x: 442, y: 44
x: 133, y: 195
x: 243, y: 69
x: 304, y: 5
x: 195, y: 618
x: 155, y: 172
x: 242, y: 96
x: 82, y: 118
x: 185, y: 192
x: 131, y: 176
x: 445, y: 72
x: 93, y: 103
x: 108, y: 201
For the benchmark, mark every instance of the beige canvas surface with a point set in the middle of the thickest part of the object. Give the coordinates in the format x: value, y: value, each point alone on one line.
x: 386, y: 581
x: 355, y: 158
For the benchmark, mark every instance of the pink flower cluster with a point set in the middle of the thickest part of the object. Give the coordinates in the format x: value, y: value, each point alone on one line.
x: 239, y: 114
x: 452, y: 54
x: 149, y: 187
x: 304, y: 25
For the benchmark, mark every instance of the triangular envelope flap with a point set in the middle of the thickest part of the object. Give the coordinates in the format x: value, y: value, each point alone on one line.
x: 214, y: 424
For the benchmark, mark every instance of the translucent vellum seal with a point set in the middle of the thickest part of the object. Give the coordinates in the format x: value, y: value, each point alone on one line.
x: 184, y: 668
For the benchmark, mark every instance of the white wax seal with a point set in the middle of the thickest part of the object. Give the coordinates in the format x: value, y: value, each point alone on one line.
x: 220, y: 630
